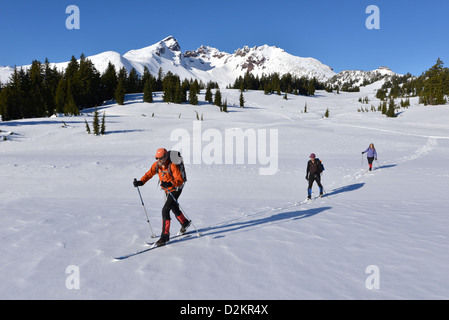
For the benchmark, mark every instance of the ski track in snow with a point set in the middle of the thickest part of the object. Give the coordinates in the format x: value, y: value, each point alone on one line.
x: 392, y: 131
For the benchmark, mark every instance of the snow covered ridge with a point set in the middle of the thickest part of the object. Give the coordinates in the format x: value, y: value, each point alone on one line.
x: 5, y: 73
x: 209, y: 64
x: 357, y: 78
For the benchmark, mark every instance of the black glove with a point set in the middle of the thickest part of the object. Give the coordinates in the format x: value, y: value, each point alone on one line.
x: 363, y: 152
x: 307, y: 177
x: 166, y: 185
x: 137, y: 183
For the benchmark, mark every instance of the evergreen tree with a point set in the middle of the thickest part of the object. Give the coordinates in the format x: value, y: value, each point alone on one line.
x: 70, y: 108
x: 133, y: 82
x: 72, y: 69
x: 60, y: 95
x: 160, y: 77
x: 123, y: 76
x: 103, y: 124
x: 109, y: 82
x: 384, y: 107
x: 71, y: 75
x: 193, y: 93
x: 37, y: 92
x: 178, y: 92
x: 87, y: 126
x: 89, y: 84
x: 434, y: 84
x: 148, y: 91
x: 145, y: 77
x: 217, y: 99
x: 51, y: 80
x: 224, y: 107
x: 185, y: 86
x: 391, y: 112
x: 209, y: 97
x: 241, y: 100
x: 311, y: 89
x: 96, y: 123
x: 119, y: 93
x: 12, y: 98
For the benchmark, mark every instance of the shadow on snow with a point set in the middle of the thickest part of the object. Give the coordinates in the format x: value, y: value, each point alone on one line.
x: 348, y: 188
x: 222, y: 230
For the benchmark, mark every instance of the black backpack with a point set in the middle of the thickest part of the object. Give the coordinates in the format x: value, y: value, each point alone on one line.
x: 321, y: 163
x: 176, y: 158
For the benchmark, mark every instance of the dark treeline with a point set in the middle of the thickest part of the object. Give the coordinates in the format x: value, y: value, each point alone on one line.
x: 432, y: 87
x: 274, y: 83
x: 42, y: 90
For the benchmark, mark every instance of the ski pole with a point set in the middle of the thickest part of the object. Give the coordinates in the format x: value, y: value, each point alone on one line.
x: 148, y: 219
x: 183, y: 212
x: 378, y: 163
x: 326, y: 194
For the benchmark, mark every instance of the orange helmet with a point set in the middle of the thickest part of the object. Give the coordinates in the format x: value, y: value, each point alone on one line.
x: 160, y: 153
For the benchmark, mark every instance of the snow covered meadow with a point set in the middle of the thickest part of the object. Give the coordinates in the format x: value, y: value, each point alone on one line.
x: 68, y: 205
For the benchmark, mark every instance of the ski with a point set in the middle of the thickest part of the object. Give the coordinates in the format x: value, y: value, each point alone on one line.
x: 126, y: 256
x: 152, y: 245
x: 174, y: 239
x: 188, y: 233
x: 307, y: 200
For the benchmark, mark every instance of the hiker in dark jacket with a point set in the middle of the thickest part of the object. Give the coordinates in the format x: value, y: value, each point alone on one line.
x: 313, y: 173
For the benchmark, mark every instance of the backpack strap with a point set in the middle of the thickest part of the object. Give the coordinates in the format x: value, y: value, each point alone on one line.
x: 169, y: 170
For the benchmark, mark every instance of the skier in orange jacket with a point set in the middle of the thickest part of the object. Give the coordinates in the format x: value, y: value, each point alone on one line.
x: 172, y: 182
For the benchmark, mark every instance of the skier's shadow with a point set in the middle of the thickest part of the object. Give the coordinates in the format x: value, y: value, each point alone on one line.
x: 386, y: 166
x: 223, y: 230
x: 347, y: 188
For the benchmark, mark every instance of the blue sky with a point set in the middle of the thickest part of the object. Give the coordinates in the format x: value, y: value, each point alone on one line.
x: 412, y: 34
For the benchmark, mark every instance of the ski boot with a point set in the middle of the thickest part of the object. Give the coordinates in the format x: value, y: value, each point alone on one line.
x: 184, y: 226
x: 163, y: 240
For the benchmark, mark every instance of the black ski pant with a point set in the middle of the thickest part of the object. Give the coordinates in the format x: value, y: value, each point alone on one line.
x: 170, y: 204
x: 317, y: 178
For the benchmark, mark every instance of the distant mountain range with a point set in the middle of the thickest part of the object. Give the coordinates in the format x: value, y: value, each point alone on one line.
x: 210, y: 64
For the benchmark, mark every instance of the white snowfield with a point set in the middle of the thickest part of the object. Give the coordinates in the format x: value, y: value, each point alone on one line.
x: 68, y: 205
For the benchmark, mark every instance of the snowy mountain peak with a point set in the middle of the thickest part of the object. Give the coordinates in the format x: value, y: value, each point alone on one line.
x: 206, y: 53
x: 210, y: 64
x: 169, y: 46
x: 171, y: 43
x: 357, y: 78
x: 385, y: 71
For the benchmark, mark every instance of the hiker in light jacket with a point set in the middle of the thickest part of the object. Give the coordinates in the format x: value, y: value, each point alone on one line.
x: 371, y: 155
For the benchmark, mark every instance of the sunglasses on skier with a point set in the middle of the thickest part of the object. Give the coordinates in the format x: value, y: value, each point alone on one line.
x: 161, y: 158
